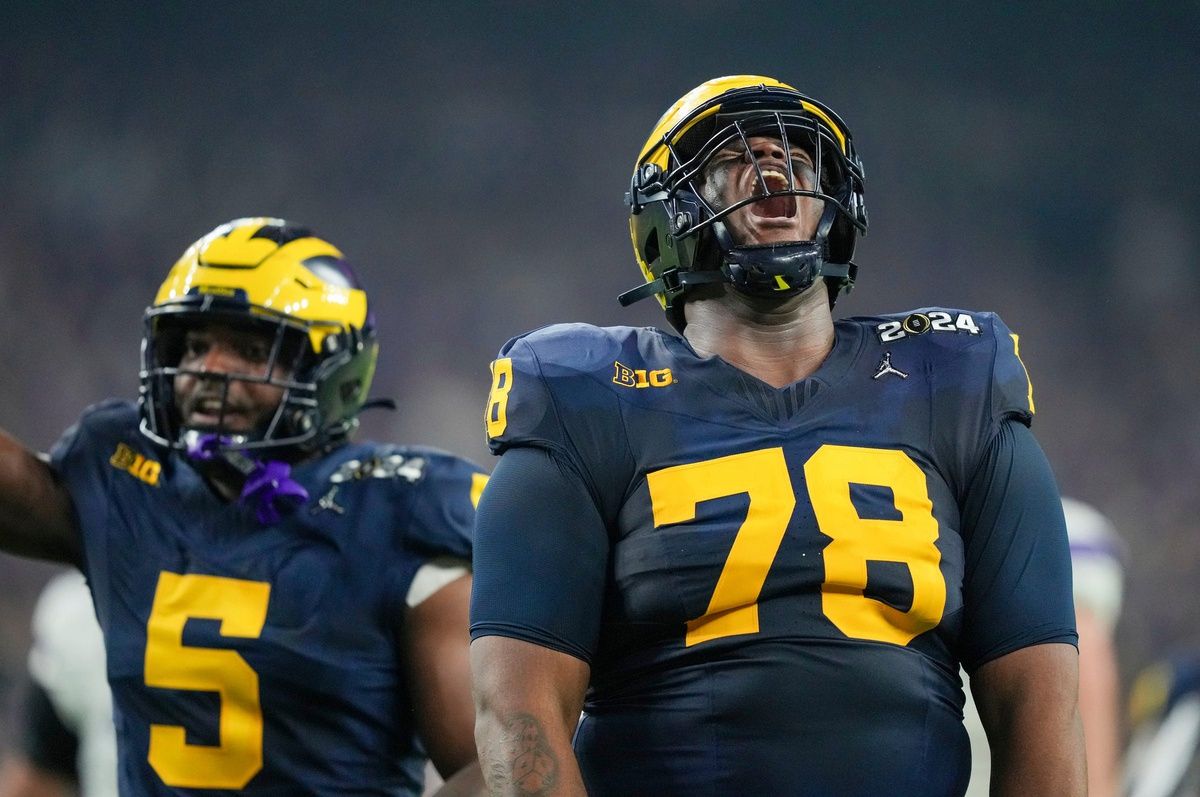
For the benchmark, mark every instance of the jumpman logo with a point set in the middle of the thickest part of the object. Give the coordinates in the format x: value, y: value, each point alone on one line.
x: 885, y: 367
x: 328, y: 502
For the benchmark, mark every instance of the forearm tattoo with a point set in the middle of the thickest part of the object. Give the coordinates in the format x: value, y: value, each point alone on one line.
x: 524, y: 764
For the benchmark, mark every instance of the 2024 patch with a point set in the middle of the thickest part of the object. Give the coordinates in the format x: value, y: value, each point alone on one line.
x: 920, y: 323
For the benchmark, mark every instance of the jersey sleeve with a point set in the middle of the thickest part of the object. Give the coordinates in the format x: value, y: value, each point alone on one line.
x: 443, y: 509
x: 978, y: 382
x: 82, y: 459
x: 539, y: 564
x: 436, y: 529
x: 1017, y: 587
x: 521, y: 409
x: 75, y: 457
x: 552, y: 389
x: 1012, y: 390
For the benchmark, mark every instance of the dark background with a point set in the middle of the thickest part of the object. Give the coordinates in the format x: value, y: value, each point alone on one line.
x: 470, y: 159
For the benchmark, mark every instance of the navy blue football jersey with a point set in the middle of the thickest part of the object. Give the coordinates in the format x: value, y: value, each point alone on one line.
x: 263, y: 659
x: 792, y: 576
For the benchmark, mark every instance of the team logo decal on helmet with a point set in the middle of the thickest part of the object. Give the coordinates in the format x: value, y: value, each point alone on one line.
x: 680, y: 238
x: 278, y: 279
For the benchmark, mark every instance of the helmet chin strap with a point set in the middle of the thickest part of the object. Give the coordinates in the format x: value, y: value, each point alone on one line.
x: 764, y: 270
x: 267, y: 485
x: 778, y: 270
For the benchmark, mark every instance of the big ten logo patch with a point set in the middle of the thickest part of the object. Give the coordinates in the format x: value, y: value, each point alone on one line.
x: 135, y: 464
x: 387, y: 466
x: 639, y: 377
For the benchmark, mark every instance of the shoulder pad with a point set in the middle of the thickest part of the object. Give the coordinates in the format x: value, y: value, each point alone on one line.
x: 1012, y: 390
x: 969, y: 346
x: 574, y: 347
x: 398, y: 464
x: 443, y: 511
x: 545, y: 382
x: 98, y: 431
x: 111, y: 416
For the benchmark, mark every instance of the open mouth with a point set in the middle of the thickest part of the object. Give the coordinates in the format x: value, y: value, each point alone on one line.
x: 780, y: 207
x: 775, y: 207
x: 210, y: 413
x: 230, y: 423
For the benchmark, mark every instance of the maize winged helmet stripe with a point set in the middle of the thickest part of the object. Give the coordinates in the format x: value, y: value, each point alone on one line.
x: 270, y: 275
x: 656, y: 151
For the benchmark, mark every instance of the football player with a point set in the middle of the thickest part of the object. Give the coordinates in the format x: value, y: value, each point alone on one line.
x: 284, y: 610
x: 760, y: 548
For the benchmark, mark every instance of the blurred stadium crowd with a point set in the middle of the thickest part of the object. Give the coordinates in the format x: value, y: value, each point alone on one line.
x: 1044, y: 164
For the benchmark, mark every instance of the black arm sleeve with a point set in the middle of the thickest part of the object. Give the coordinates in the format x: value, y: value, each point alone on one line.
x: 540, y: 557
x: 1017, y: 590
x: 45, y: 741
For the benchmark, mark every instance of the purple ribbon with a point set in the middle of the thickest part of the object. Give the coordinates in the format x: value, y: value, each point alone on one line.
x: 272, y: 491
x: 268, y: 488
x: 204, y: 447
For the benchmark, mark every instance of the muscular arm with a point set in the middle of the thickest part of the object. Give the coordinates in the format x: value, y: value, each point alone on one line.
x: 436, y: 645
x: 1028, y: 702
x: 37, y: 516
x: 528, y: 700
x: 541, y: 551
x: 1019, y: 623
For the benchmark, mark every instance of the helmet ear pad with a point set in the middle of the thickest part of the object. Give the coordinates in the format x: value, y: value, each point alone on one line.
x: 669, y: 246
x: 343, y: 378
